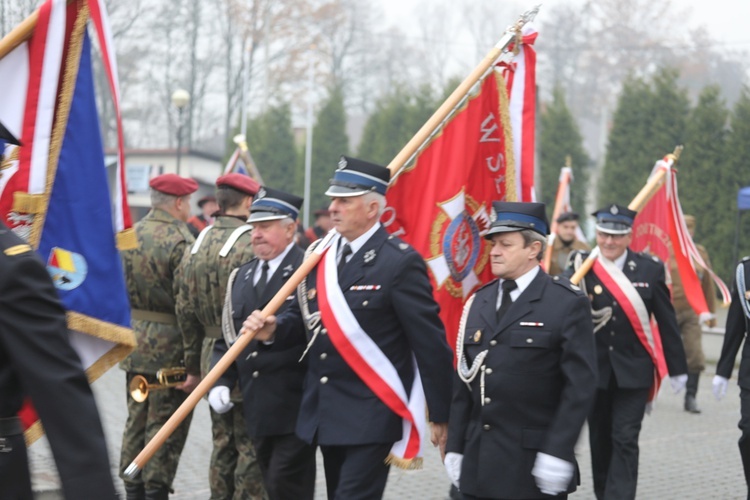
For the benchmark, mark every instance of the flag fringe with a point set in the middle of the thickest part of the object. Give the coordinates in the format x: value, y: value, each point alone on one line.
x: 510, y: 160
x: 127, y: 240
x: 415, y: 463
x: 26, y: 203
x: 104, y: 330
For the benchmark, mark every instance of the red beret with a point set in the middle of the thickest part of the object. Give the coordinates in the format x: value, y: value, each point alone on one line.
x: 240, y: 182
x: 173, y: 184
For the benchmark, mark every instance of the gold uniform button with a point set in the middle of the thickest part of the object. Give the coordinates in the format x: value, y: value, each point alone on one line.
x: 493, y: 342
x: 486, y: 427
x: 611, y: 348
x: 323, y: 356
x: 487, y: 401
x: 324, y: 331
x: 488, y: 371
x: 323, y: 380
x: 256, y: 374
x: 529, y: 340
x: 365, y: 303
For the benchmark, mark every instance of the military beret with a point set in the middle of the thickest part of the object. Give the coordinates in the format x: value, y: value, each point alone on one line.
x: 566, y: 216
x: 173, y: 184
x: 205, y: 200
x: 240, y: 182
x: 509, y: 216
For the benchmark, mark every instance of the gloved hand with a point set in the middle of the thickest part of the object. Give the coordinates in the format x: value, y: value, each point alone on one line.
x: 218, y: 398
x: 452, y: 464
x: 719, y: 386
x: 678, y: 382
x: 707, y: 318
x: 552, y: 474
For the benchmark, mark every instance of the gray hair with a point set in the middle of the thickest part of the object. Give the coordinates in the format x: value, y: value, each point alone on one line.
x: 373, y: 196
x: 162, y: 200
x: 530, y: 237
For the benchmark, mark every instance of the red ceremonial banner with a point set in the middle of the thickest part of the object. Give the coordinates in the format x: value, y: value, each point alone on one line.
x: 441, y: 204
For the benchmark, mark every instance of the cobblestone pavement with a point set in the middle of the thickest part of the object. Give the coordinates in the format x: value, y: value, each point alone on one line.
x: 683, y: 456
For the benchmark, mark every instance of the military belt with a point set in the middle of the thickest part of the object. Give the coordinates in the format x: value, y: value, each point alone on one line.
x: 153, y: 316
x: 213, y: 332
x: 10, y: 426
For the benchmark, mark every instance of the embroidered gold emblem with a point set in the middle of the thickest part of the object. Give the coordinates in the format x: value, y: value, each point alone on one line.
x: 478, y: 336
x: 311, y: 294
x: 598, y: 289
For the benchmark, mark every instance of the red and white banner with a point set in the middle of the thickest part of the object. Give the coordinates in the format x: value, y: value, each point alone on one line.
x: 661, y: 224
x: 441, y: 203
x: 520, y: 74
x: 366, y: 359
x: 616, y: 283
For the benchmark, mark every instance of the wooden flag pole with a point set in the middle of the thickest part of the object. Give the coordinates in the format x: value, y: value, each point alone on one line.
x: 243, y: 340
x: 423, y: 134
x: 565, y: 176
x: 640, y: 200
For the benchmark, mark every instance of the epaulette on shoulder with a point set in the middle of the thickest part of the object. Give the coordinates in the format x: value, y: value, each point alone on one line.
x: 18, y: 250
x: 398, y: 243
x: 566, y: 284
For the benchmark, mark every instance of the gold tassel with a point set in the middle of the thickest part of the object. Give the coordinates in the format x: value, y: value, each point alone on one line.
x: 404, y: 463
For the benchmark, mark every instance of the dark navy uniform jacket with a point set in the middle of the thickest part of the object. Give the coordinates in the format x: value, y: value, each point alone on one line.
x: 270, y: 376
x: 618, y: 349
x: 735, y: 333
x: 38, y: 362
x: 400, y: 315
x: 539, y: 384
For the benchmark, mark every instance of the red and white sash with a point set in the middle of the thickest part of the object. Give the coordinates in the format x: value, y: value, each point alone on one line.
x: 632, y: 305
x: 363, y: 356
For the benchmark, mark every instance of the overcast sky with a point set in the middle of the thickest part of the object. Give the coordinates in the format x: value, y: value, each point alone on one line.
x: 726, y: 20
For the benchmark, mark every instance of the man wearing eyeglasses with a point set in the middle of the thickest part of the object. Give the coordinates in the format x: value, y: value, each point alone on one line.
x: 626, y: 290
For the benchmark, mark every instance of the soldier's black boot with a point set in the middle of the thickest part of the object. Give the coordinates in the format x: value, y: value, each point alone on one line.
x: 691, y: 389
x: 158, y: 493
x: 135, y: 491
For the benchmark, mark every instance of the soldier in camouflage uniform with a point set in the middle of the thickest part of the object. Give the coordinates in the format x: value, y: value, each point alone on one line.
x: 220, y: 248
x: 151, y: 272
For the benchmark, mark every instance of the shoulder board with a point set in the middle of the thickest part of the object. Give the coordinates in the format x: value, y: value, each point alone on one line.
x: 399, y: 243
x: 566, y: 284
x: 17, y: 250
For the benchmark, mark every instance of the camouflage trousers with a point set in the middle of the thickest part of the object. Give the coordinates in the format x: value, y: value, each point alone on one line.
x: 234, y: 472
x: 144, y: 421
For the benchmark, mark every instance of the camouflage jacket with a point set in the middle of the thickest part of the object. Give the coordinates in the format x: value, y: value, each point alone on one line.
x: 151, y: 273
x: 203, y: 284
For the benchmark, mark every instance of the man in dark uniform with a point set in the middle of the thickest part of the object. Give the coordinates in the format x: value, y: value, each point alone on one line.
x: 271, y: 376
x: 625, y: 289
x: 38, y: 362
x: 565, y: 242
x: 526, y: 372
x: 379, y: 324
x: 152, y: 275
x: 204, y: 272
x: 735, y: 333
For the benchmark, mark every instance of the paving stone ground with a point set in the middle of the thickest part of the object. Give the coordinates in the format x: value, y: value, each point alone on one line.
x: 683, y: 456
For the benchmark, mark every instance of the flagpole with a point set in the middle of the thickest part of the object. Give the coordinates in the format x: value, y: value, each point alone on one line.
x: 19, y: 34
x: 243, y: 340
x: 566, y: 173
x: 645, y: 194
x: 444, y: 110
x: 308, y: 143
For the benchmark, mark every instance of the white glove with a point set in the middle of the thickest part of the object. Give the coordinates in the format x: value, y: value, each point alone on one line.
x: 678, y: 382
x: 552, y: 474
x: 705, y: 317
x: 218, y: 398
x: 719, y: 386
x: 452, y: 464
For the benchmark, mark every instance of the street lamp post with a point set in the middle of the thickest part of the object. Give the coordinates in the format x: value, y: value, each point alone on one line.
x: 180, y: 100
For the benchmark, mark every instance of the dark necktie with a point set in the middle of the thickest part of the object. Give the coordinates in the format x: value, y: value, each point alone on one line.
x: 345, y: 252
x: 260, y: 286
x: 507, y: 286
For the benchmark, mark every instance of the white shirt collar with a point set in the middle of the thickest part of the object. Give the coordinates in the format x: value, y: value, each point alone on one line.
x: 273, y: 264
x: 620, y: 261
x: 522, y: 283
x: 360, y: 241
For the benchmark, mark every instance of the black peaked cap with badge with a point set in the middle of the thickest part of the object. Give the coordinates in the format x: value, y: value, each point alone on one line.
x: 614, y: 219
x: 355, y: 177
x: 509, y: 216
x: 567, y: 216
x: 273, y: 204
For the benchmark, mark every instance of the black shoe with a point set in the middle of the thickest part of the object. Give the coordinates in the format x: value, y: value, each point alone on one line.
x: 134, y: 491
x: 691, y: 405
x: 454, y: 494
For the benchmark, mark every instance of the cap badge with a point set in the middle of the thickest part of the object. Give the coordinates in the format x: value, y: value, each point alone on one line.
x: 261, y: 194
x: 613, y: 210
x: 493, y: 215
x: 342, y: 163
